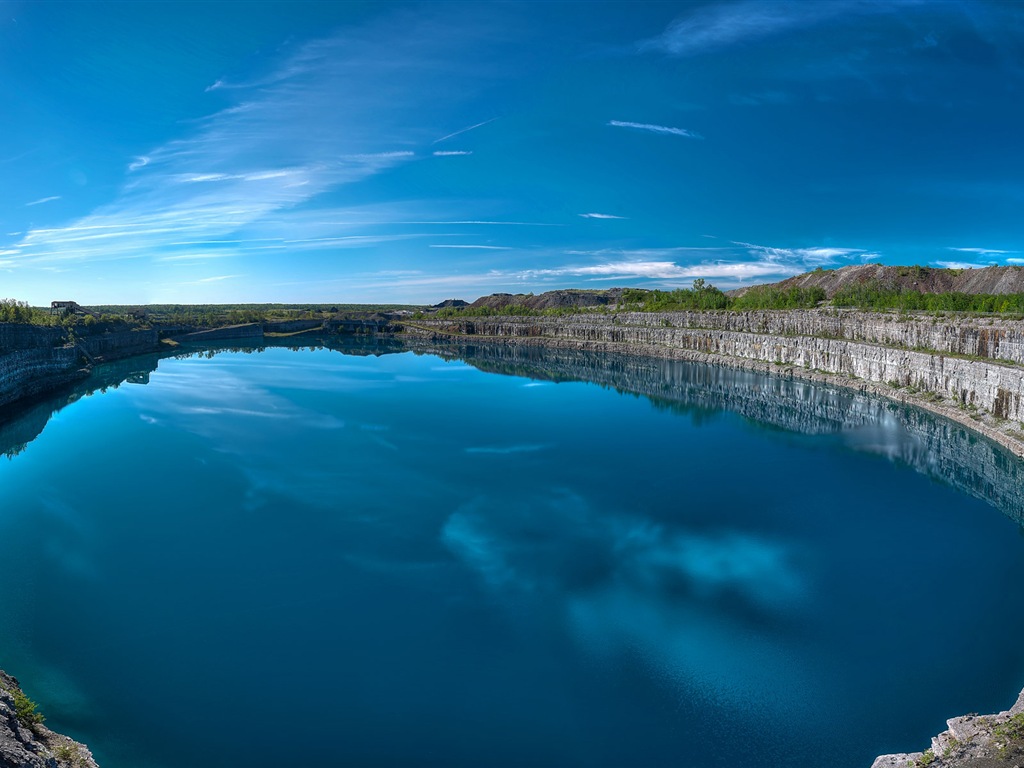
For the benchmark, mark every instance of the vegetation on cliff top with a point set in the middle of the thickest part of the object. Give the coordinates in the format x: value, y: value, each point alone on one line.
x: 192, y: 315
x: 869, y: 287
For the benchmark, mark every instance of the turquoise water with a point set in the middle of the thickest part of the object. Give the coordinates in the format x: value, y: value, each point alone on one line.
x: 323, y: 559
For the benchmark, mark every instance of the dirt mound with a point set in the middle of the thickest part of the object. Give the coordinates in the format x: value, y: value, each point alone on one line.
x: 561, y: 299
x: 996, y: 280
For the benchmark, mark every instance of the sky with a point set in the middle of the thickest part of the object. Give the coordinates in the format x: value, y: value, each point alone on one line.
x: 195, y: 152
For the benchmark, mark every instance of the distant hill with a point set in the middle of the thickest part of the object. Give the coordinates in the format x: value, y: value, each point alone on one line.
x: 451, y: 303
x: 986, y: 280
x: 562, y: 299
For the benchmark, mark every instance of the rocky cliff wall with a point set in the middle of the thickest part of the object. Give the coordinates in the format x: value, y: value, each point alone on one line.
x: 28, y: 373
x: 35, y: 360
x: 995, y: 338
x: 867, y: 351
x: 120, y: 344
x: 245, y: 331
x: 22, y: 336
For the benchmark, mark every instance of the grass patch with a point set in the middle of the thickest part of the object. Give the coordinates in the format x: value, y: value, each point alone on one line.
x: 1011, y: 736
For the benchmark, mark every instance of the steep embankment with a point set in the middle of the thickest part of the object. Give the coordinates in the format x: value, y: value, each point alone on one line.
x: 36, y: 360
x: 26, y: 743
x: 560, y: 299
x: 971, y: 370
x: 994, y: 280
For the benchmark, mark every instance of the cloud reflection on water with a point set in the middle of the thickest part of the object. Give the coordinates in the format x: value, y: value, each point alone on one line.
x: 702, y: 608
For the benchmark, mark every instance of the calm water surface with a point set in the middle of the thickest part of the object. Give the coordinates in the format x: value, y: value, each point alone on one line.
x: 316, y: 559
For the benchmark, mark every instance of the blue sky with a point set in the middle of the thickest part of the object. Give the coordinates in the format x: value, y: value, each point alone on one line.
x: 411, y: 152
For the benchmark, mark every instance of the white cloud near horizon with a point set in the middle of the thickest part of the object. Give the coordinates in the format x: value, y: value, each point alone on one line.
x: 815, y: 256
x: 656, y: 128
x: 958, y: 265
x: 663, y: 270
x: 982, y: 251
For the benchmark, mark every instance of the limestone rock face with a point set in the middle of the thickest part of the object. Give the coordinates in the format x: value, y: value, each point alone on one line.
x: 971, y: 741
x: 969, y: 369
x: 36, y: 746
x: 37, y: 360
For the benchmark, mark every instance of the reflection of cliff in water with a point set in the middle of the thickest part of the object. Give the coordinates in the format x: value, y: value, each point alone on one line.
x: 20, y: 426
x: 930, y: 444
x: 937, y: 447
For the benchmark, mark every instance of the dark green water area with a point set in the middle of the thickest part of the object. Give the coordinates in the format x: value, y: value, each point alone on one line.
x: 371, y: 556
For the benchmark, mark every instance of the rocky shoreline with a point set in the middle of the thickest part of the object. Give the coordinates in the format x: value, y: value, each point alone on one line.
x: 970, y: 741
x: 26, y: 743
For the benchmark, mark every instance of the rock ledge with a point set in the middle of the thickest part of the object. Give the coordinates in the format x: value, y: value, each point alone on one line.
x: 36, y: 746
x: 971, y: 741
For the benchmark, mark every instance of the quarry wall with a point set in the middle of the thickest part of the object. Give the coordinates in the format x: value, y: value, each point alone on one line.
x: 35, y: 360
x: 964, y: 368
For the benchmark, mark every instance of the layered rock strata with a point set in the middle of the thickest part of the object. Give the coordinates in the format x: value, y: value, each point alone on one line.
x: 37, y: 360
x: 970, y: 374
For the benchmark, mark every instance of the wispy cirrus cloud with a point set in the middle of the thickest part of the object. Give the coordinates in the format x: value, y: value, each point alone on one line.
x: 210, y: 280
x: 656, y: 128
x: 731, y: 265
x: 682, y: 263
x: 478, y: 247
x: 42, y: 200
x: 452, y: 153
x: 815, y: 256
x: 335, y: 111
x: 982, y: 251
x: 722, y: 25
x: 600, y: 216
x: 464, y: 130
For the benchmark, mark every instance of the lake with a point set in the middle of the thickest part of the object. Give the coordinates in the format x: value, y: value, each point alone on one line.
x: 371, y: 556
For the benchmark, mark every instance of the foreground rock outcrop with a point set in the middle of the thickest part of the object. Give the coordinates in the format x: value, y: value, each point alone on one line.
x: 26, y: 744
x: 971, y: 741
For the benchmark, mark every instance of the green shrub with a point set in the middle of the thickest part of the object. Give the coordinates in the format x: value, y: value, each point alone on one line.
x: 26, y: 711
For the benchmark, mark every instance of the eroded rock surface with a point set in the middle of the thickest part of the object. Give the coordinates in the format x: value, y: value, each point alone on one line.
x: 971, y: 741
x: 34, y: 745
